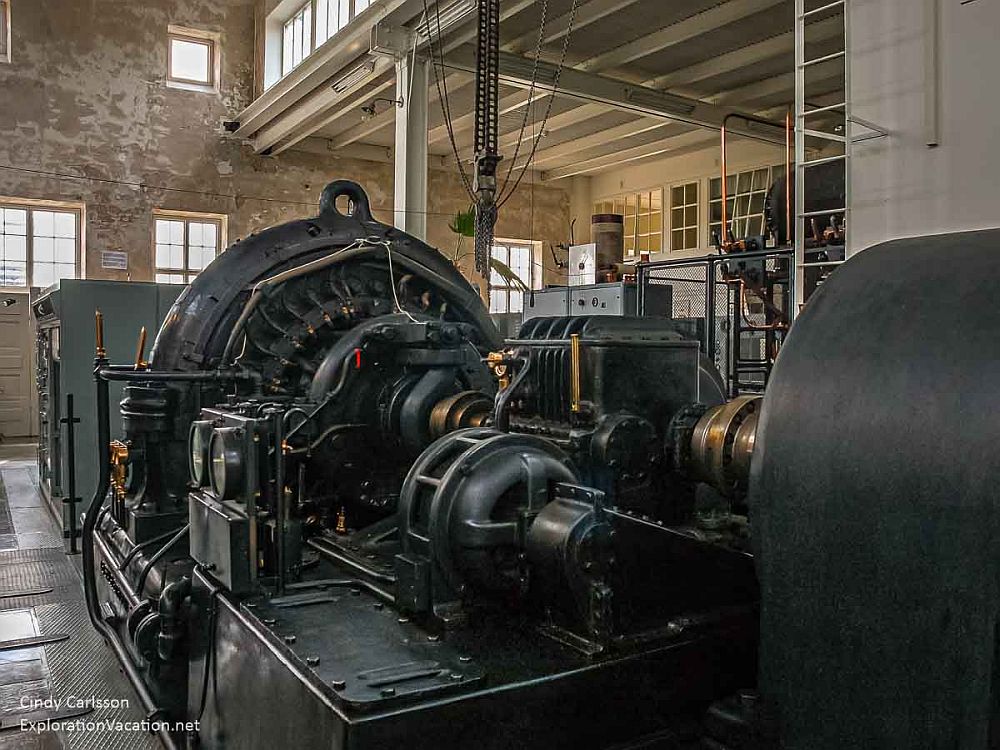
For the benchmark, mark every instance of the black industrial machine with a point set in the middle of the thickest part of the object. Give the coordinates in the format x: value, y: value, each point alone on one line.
x: 346, y: 514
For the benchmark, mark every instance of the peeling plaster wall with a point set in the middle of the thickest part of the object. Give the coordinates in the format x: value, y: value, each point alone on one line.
x: 85, y: 95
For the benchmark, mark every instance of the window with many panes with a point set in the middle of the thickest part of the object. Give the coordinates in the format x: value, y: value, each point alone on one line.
x: 746, y: 193
x: 505, y: 296
x: 684, y: 211
x: 185, y: 245
x: 4, y: 30
x: 312, y: 24
x: 643, y: 213
x: 38, y: 245
x: 331, y: 17
x: 296, y: 39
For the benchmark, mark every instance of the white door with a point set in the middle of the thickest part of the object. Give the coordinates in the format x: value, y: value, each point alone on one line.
x: 17, y: 375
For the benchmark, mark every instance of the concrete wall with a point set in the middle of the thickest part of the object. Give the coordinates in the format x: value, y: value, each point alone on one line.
x: 901, y: 186
x: 85, y: 96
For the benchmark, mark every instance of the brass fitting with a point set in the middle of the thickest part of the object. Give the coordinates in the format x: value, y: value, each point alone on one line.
x: 574, y: 373
x: 496, y: 361
x: 99, y: 351
x: 119, y: 468
x: 140, y: 362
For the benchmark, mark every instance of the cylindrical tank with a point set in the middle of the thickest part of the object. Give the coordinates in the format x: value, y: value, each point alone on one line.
x: 874, y: 505
x: 607, y: 231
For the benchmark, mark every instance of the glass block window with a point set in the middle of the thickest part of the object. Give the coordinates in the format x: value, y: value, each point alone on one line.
x: 745, y: 196
x: 184, y: 247
x: 684, y: 210
x: 506, y: 297
x: 38, y: 246
x: 296, y: 39
x: 643, y: 214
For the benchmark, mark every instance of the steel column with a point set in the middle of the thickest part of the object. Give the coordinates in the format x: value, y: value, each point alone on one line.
x: 410, y: 153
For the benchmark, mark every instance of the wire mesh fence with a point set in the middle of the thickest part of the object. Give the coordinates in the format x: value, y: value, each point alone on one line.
x: 737, y: 306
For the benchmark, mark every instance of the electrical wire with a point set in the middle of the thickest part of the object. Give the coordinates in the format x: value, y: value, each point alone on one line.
x: 447, y: 99
x: 147, y: 186
x: 141, y: 581
x: 529, y: 105
x: 145, y: 545
x: 548, y: 109
x: 413, y: 62
x: 392, y: 282
x: 207, y: 193
x: 441, y: 84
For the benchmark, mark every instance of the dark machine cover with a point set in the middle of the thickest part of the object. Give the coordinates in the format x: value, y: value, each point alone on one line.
x: 874, y: 505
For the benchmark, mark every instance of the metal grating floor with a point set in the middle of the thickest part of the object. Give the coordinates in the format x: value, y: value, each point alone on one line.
x: 83, y: 666
x: 32, y: 559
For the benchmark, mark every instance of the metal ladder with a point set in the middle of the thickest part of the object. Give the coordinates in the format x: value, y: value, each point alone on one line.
x: 803, y: 62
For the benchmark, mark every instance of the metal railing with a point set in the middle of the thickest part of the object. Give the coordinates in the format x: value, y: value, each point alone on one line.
x: 737, y: 306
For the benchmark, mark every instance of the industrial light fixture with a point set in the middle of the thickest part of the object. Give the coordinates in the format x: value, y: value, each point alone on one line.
x: 356, y: 76
x: 440, y: 22
x: 515, y: 66
x: 369, y: 111
x: 659, y: 100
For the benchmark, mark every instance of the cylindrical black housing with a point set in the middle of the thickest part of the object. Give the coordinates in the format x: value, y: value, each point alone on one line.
x: 875, y: 509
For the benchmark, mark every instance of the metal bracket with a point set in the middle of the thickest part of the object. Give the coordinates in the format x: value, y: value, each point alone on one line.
x: 391, y: 41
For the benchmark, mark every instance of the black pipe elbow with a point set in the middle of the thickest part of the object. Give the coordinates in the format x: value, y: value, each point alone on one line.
x: 172, y: 622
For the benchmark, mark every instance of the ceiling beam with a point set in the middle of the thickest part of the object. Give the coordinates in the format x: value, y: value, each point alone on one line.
x: 748, y: 56
x: 680, y: 31
x: 316, y: 69
x: 671, y: 146
x: 305, y: 119
x: 505, y: 106
x: 556, y: 122
x: 589, y: 87
x: 744, y: 57
x: 685, y: 141
x: 701, y: 23
x: 610, y: 136
x: 586, y: 14
x: 388, y: 117
x: 823, y: 74
x: 284, y: 134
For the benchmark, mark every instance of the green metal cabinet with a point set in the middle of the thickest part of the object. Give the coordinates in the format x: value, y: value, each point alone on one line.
x: 64, y: 315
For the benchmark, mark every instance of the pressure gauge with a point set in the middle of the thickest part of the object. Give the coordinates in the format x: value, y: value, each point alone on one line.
x: 226, y: 452
x: 198, y: 440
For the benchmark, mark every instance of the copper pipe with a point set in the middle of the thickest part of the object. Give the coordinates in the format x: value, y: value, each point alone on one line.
x: 99, y: 351
x: 788, y: 178
x: 779, y: 325
x: 724, y: 235
x: 574, y: 373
